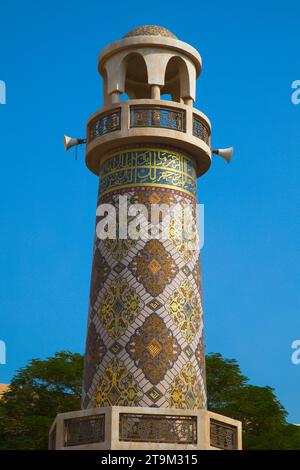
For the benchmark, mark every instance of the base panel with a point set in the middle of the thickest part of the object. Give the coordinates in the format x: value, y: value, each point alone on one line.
x: 137, y: 428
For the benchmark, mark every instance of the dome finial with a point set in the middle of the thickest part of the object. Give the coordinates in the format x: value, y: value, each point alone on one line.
x: 150, y: 30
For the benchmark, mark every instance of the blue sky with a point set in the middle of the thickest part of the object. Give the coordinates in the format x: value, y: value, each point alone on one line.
x: 250, y: 53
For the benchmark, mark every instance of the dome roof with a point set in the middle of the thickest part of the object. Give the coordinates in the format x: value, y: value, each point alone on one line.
x: 150, y: 30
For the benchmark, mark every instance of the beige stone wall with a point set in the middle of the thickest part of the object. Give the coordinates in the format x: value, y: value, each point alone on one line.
x: 3, y: 389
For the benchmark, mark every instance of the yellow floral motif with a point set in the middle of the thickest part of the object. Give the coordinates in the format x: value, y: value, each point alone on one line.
x: 117, y: 387
x: 184, y: 242
x: 185, y: 392
x: 119, y: 308
x: 119, y: 248
x: 183, y: 306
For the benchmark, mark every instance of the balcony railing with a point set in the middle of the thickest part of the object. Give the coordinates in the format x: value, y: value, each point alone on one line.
x: 157, y: 116
x: 104, y: 123
x: 180, y: 119
x: 200, y: 130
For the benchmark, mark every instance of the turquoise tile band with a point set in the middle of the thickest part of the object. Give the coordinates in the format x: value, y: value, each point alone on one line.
x: 148, y: 167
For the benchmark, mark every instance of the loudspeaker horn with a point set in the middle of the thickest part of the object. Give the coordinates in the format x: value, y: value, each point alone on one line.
x: 70, y: 142
x: 224, y: 153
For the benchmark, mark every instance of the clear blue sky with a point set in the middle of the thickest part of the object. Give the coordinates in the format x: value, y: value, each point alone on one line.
x: 250, y: 53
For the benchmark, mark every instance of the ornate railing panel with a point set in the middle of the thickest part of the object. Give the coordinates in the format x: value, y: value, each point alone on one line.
x: 200, y: 130
x: 85, y: 430
x: 157, y: 116
x: 222, y: 435
x: 104, y: 123
x: 156, y: 428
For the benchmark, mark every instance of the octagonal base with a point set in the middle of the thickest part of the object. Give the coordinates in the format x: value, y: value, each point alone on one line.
x: 137, y: 428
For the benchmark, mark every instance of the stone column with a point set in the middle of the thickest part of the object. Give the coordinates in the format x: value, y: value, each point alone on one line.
x: 155, y: 92
x: 145, y: 344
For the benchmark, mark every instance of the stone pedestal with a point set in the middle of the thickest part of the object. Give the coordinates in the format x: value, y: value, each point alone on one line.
x: 137, y: 428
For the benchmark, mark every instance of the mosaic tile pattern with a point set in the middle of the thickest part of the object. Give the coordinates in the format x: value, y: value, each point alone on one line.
x: 185, y: 391
x: 154, y: 267
x: 117, y: 387
x: 100, y: 272
x: 184, y: 309
x: 95, y: 351
x: 145, y: 344
x: 119, y: 307
x: 153, y: 348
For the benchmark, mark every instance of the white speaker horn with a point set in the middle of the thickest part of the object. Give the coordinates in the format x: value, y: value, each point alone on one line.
x: 70, y: 142
x: 224, y: 153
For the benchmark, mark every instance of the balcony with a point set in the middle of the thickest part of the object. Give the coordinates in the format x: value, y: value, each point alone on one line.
x: 152, y: 122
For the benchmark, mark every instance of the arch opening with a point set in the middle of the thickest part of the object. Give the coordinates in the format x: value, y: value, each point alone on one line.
x: 136, y: 77
x: 176, y: 80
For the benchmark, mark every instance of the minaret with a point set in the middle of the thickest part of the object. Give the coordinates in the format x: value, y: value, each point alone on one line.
x: 144, y: 369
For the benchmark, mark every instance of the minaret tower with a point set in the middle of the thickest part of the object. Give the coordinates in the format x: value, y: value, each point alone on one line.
x: 144, y: 372
x: 145, y: 343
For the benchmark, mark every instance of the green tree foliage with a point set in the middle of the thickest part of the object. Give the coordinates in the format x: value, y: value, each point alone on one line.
x: 37, y: 393
x: 44, y: 388
x: 262, y: 415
